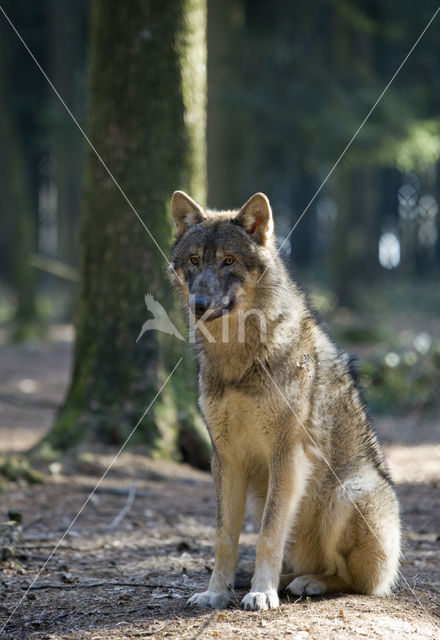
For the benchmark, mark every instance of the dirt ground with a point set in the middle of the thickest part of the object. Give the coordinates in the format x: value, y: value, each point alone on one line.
x: 142, y: 543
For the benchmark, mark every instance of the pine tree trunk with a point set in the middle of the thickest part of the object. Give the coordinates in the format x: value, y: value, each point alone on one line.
x: 66, y: 68
x: 16, y: 205
x: 147, y: 120
x: 225, y: 122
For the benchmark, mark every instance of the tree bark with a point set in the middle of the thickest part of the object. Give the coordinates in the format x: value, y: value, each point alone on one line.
x: 67, y: 62
x: 147, y: 121
x: 15, y: 205
x: 225, y: 121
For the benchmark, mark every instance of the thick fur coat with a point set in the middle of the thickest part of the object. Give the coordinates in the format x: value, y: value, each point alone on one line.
x: 288, y: 426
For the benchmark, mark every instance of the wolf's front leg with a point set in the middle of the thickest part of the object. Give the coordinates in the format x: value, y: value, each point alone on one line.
x: 287, y: 479
x: 230, y: 484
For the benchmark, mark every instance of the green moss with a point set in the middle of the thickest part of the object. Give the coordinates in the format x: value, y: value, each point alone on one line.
x: 45, y: 452
x: 65, y: 433
x: 18, y: 468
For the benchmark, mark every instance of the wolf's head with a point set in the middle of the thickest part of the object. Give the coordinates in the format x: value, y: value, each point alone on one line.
x: 219, y: 256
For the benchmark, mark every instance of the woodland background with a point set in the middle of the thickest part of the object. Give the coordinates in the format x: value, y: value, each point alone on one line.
x: 286, y: 86
x: 222, y: 99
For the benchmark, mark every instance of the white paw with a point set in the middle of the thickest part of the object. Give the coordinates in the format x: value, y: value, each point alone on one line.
x: 214, y: 599
x: 308, y: 585
x: 256, y: 600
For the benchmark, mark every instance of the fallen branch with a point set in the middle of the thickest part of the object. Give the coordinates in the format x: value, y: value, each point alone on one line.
x: 27, y: 401
x: 96, y: 585
x: 128, y: 504
x: 54, y: 267
x: 29, y: 547
x: 115, y: 491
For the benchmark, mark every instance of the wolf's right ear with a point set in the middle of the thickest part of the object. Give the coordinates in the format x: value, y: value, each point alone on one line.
x: 186, y: 212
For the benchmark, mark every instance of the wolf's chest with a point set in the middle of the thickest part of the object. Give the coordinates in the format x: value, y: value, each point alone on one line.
x: 240, y: 422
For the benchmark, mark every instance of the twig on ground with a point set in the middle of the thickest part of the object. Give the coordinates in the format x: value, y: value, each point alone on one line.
x: 96, y: 585
x: 128, y: 504
x: 26, y: 401
x: 28, y: 547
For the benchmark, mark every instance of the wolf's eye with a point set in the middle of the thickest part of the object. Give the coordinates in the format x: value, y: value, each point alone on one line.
x: 194, y: 259
x: 229, y: 260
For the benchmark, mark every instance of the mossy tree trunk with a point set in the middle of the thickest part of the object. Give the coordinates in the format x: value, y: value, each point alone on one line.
x: 147, y: 120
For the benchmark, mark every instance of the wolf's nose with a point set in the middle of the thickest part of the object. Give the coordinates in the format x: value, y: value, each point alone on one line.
x: 201, y: 305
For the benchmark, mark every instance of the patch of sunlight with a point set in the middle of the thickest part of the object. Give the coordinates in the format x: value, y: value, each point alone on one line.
x: 27, y: 385
x: 414, y: 464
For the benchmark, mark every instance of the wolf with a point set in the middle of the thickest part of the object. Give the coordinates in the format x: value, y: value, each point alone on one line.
x: 288, y: 425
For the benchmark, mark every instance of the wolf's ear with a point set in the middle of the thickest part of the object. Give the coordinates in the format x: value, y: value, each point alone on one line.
x: 186, y: 212
x: 255, y: 216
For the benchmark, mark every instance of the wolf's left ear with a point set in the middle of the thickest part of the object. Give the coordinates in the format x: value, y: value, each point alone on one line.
x: 185, y: 211
x: 255, y: 217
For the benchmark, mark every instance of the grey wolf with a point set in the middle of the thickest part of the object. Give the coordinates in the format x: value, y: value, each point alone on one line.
x: 288, y: 426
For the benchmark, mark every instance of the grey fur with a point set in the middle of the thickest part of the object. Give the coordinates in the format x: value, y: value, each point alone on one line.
x: 286, y: 419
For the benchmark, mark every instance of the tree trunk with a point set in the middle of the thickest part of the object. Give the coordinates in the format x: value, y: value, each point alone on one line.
x: 15, y: 205
x: 225, y: 122
x: 67, y: 67
x: 147, y: 121
x: 342, y: 262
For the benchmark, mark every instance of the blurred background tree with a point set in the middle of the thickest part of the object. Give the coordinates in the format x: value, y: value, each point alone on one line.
x: 147, y: 118
x: 17, y: 231
x: 288, y: 85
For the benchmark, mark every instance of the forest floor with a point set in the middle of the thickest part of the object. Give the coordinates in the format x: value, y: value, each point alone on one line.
x: 144, y: 542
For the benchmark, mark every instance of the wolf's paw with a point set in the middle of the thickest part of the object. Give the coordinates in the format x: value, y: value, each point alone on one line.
x: 308, y: 585
x: 256, y: 600
x: 214, y: 599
